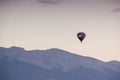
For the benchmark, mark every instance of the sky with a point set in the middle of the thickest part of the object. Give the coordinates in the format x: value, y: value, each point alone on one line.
x: 44, y: 24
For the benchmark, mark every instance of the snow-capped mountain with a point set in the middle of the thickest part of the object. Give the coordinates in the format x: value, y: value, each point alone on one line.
x: 61, y: 61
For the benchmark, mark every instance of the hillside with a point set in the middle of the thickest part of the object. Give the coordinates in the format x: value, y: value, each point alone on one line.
x: 53, y: 64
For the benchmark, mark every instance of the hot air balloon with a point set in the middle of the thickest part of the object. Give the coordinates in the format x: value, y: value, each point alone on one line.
x: 81, y: 36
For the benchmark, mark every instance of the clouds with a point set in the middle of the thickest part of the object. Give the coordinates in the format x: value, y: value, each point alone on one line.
x: 49, y: 1
x: 116, y: 10
x: 38, y: 1
x: 3, y: 1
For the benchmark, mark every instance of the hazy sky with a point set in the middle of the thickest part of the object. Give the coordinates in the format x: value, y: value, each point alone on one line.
x: 44, y: 24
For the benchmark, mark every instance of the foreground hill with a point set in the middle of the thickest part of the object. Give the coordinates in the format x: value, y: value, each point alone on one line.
x: 53, y: 64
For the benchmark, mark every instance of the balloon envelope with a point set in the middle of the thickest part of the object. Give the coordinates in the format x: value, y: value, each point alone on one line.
x: 81, y: 36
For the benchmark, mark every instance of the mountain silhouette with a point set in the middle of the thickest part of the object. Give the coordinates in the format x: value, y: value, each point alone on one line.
x: 16, y: 63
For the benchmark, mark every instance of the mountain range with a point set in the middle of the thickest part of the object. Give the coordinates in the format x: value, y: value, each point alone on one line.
x: 16, y: 63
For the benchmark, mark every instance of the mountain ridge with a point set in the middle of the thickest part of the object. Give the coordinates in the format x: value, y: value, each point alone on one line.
x: 52, y: 49
x: 52, y: 59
